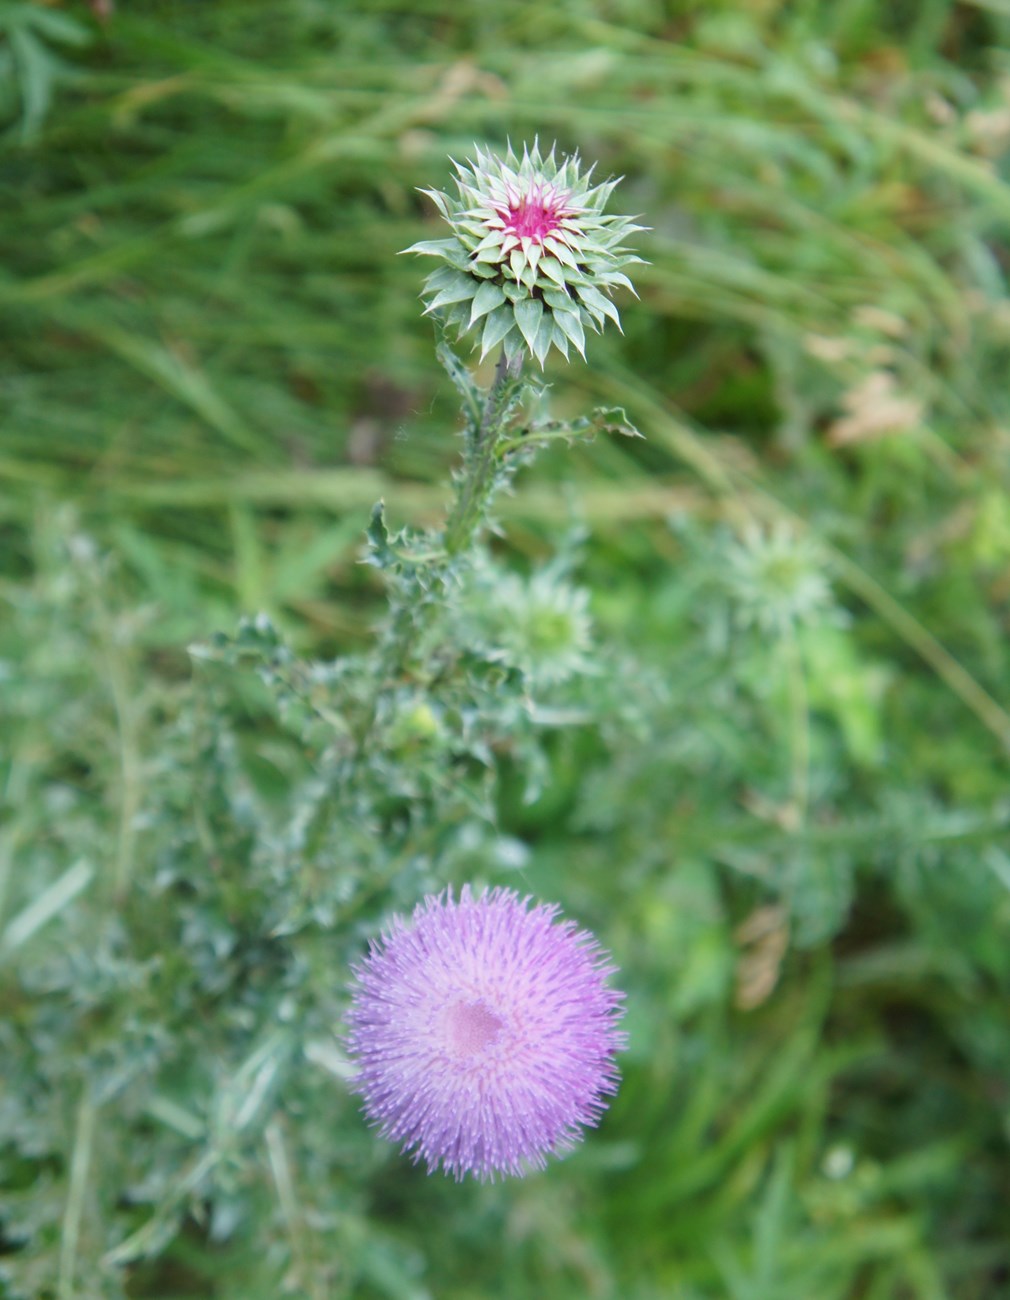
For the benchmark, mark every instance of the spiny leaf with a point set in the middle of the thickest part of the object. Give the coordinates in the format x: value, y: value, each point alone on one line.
x: 572, y: 326
x: 461, y: 378
x: 487, y: 297
x: 496, y: 326
x: 528, y: 312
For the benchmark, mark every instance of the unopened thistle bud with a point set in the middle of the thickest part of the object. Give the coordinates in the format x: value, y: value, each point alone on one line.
x: 532, y: 259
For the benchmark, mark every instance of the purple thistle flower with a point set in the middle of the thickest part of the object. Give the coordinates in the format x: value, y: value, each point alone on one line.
x: 484, y: 1033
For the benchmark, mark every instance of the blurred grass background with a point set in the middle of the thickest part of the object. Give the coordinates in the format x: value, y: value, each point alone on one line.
x: 213, y: 363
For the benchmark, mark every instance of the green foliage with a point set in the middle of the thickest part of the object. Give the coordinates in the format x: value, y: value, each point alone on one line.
x: 734, y: 693
x: 30, y: 69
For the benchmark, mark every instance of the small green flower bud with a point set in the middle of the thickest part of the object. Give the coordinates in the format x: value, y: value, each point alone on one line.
x: 416, y: 724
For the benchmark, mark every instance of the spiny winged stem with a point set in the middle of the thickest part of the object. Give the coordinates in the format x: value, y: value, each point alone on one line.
x: 481, y: 469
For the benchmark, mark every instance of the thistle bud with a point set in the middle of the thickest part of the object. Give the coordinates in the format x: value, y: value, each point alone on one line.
x: 532, y: 259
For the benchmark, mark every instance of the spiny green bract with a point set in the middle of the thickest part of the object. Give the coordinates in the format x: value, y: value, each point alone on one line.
x: 532, y: 258
x: 538, y: 626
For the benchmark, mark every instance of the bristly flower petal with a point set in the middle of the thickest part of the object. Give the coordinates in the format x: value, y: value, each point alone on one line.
x: 530, y: 228
x: 484, y: 1033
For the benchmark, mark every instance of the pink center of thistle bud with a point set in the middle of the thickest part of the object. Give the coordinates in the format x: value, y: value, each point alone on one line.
x: 471, y: 1027
x: 533, y: 219
x: 535, y: 214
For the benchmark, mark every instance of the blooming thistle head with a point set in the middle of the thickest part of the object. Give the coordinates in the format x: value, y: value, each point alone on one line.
x: 532, y: 258
x: 484, y: 1033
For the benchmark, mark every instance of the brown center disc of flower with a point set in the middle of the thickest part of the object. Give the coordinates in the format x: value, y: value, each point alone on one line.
x: 472, y: 1027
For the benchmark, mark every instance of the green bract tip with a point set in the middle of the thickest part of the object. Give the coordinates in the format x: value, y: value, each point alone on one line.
x: 532, y: 258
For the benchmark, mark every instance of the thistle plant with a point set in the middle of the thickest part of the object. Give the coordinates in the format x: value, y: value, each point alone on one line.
x: 232, y: 997
x: 484, y: 1034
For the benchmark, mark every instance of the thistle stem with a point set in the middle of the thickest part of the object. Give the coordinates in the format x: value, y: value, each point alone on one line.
x: 476, y: 485
x: 481, y: 468
x: 799, y: 723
